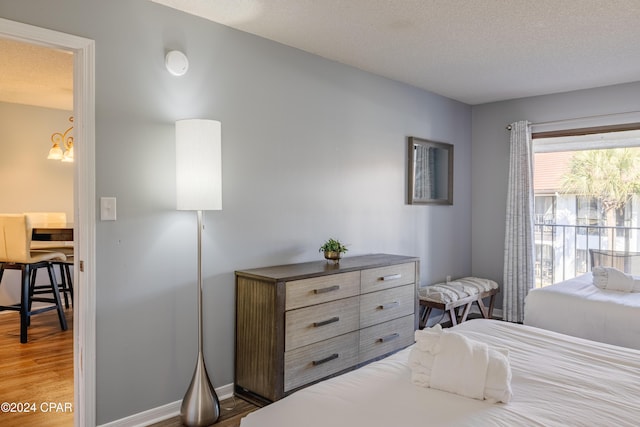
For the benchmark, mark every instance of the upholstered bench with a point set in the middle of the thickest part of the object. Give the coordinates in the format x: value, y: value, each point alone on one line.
x: 458, y: 293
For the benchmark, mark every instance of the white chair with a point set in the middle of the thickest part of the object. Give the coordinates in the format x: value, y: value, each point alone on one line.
x: 16, y: 254
x: 50, y: 219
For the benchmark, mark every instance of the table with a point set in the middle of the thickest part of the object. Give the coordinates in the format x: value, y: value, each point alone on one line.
x: 52, y: 233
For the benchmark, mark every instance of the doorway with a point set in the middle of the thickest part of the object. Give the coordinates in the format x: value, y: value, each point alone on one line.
x: 83, y: 204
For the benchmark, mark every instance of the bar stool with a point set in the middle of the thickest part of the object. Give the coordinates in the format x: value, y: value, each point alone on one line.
x: 16, y: 254
x: 66, y: 278
x: 55, y: 219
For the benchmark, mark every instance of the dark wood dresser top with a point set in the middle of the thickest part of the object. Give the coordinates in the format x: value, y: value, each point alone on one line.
x: 322, y: 268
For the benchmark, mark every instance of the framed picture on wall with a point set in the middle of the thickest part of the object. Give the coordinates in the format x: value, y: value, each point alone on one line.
x: 430, y: 172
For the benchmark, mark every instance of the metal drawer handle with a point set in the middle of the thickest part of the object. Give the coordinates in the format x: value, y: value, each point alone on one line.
x: 391, y: 277
x: 325, y: 290
x: 326, y: 359
x: 388, y: 305
x: 326, y: 322
x: 389, y: 337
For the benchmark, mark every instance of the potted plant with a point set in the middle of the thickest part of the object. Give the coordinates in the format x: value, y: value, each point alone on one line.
x: 333, y: 250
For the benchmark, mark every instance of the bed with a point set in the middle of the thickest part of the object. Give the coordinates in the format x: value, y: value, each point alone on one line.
x: 558, y: 380
x: 577, y: 307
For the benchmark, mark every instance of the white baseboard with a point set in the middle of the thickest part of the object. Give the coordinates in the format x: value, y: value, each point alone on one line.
x: 163, y: 412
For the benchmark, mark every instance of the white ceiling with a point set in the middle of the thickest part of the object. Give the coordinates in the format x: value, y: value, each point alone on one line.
x: 475, y: 51
x: 35, y: 75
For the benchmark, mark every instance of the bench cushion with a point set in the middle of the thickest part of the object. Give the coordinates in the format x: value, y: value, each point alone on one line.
x: 446, y: 293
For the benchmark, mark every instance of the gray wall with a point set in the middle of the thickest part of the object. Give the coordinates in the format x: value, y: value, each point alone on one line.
x: 311, y: 149
x: 490, y: 153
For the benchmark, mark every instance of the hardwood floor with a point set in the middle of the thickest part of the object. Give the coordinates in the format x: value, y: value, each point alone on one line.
x: 36, y: 376
x: 232, y: 410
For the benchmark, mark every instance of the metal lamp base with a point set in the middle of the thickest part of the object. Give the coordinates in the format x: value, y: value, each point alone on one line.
x: 200, y: 406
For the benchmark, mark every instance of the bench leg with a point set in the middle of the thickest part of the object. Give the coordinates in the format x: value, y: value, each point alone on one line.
x: 487, y: 314
x: 465, y: 312
x: 453, y: 317
x: 491, y: 301
x: 483, y: 309
x: 425, y: 317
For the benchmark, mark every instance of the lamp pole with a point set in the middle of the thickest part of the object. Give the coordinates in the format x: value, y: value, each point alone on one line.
x: 200, y: 406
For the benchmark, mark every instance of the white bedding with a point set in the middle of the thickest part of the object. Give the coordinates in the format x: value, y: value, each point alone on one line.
x: 577, y: 307
x: 557, y: 381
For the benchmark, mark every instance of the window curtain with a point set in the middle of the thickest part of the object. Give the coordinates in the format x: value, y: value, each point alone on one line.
x: 519, y: 244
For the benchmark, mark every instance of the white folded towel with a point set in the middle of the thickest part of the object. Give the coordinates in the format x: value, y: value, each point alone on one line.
x: 428, y: 338
x: 421, y: 360
x: 420, y: 373
x: 497, y: 387
x: 612, y: 279
x: 449, y: 361
x: 460, y: 366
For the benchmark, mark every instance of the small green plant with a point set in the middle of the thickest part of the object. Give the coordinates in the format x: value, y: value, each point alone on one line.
x: 333, y: 245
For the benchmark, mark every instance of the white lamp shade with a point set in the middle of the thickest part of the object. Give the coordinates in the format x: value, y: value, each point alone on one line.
x: 198, y: 165
x: 55, y: 153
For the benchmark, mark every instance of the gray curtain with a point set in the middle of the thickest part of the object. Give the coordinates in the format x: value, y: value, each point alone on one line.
x: 519, y: 244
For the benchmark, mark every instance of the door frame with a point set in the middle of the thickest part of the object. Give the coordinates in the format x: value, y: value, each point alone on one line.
x: 84, y: 318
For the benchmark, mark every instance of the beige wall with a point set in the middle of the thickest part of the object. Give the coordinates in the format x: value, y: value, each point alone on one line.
x: 30, y: 182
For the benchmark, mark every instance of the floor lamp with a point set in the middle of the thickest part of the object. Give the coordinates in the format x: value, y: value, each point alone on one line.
x: 199, y: 188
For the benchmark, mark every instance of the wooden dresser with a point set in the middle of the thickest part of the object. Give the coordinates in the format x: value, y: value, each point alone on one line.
x: 297, y: 324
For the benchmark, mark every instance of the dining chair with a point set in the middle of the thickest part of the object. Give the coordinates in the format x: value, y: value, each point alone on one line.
x: 16, y: 254
x: 50, y: 219
x: 66, y: 285
x: 56, y: 219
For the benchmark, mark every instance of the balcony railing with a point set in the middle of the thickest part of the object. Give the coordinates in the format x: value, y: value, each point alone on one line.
x: 562, y: 251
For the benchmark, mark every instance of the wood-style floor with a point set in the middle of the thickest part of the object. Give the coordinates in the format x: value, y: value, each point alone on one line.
x: 37, y: 376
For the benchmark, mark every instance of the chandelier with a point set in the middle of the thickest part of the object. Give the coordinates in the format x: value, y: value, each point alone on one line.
x: 62, y: 148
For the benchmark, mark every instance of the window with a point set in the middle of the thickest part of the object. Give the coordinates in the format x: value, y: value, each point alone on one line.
x: 582, y: 261
x: 545, y: 207
x: 588, y: 211
x: 589, y: 214
x: 586, y: 184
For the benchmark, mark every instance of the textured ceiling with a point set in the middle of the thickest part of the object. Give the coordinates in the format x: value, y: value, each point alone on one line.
x: 475, y: 51
x: 35, y: 75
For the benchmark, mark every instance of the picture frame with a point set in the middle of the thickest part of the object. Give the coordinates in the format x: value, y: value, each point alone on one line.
x: 430, y: 172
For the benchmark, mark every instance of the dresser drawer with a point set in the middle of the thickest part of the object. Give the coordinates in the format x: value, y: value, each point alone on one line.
x: 308, y: 325
x: 376, y: 279
x: 382, y: 306
x: 316, y: 290
x: 381, y: 339
x: 312, y: 362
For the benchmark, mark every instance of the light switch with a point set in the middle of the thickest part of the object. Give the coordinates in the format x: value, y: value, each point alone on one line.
x: 107, y: 208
